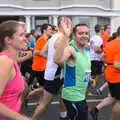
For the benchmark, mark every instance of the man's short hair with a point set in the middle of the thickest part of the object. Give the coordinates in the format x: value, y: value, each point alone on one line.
x: 106, y: 27
x: 97, y: 28
x: 33, y: 31
x: 44, y: 27
x: 78, y: 25
x: 60, y: 18
x: 118, y: 31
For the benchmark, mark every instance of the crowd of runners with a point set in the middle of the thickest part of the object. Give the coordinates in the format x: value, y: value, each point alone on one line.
x: 64, y: 60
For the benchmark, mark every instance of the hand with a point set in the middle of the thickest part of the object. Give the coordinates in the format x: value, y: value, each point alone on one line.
x: 92, y: 82
x: 22, y: 117
x: 36, y: 91
x: 37, y: 52
x: 66, y: 26
x: 29, y: 53
x: 102, y: 56
x: 23, y: 46
x: 27, y: 118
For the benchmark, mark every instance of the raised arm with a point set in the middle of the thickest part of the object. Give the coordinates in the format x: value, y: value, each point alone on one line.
x: 63, y: 41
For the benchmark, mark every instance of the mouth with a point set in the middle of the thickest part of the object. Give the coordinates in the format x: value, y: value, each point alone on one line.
x: 84, y: 38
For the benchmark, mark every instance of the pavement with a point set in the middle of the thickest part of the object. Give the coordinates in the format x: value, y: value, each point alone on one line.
x: 53, y: 109
x: 52, y: 112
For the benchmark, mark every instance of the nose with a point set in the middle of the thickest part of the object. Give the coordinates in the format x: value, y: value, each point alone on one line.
x: 84, y: 35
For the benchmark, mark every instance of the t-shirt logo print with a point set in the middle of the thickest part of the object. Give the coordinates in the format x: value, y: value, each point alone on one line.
x: 86, y: 77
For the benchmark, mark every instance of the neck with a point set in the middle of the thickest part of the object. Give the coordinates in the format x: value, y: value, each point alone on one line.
x: 60, y: 30
x: 46, y: 36
x: 80, y: 47
x: 98, y: 34
x: 118, y: 37
x: 12, y: 52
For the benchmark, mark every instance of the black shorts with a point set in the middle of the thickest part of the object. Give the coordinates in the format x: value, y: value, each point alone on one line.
x: 96, y: 67
x: 40, y: 77
x: 114, y: 90
x: 76, y: 110
x: 53, y: 86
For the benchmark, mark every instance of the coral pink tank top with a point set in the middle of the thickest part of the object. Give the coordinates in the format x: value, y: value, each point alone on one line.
x: 13, y: 90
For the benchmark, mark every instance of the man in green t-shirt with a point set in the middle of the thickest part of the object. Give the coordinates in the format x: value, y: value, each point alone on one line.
x: 77, y: 70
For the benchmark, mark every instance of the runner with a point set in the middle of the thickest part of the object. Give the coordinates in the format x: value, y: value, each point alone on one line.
x: 112, y: 72
x: 39, y: 62
x: 76, y: 70
x: 12, y: 35
x: 96, y: 53
x: 52, y: 75
x: 107, y: 100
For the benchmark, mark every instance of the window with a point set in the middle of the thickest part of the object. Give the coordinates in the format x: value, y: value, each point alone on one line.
x: 39, y: 21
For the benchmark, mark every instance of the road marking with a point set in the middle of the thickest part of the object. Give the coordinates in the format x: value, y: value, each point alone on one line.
x: 57, y: 102
x: 94, y: 100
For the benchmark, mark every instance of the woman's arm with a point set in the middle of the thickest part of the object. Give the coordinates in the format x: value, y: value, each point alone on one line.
x: 28, y: 55
x: 6, y: 74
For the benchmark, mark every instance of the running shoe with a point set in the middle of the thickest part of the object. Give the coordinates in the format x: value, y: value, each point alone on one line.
x: 66, y: 118
x: 95, y: 92
x: 98, y: 91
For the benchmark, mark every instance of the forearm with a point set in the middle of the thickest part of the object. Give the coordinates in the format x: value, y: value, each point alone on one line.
x: 39, y: 112
x: 117, y: 65
x: 8, y: 113
x: 92, y: 82
x: 26, y: 57
x: 41, y: 53
x: 58, y: 57
x: 99, y: 50
x: 45, y: 55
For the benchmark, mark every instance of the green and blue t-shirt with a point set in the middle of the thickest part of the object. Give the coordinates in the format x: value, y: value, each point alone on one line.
x: 76, y: 77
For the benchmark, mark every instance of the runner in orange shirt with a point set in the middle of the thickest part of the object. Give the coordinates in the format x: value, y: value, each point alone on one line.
x: 112, y: 72
x: 106, y: 35
x: 39, y: 62
x: 107, y: 100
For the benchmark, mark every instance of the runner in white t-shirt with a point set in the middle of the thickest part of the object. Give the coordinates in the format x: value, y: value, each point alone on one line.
x: 96, y: 52
x: 53, y: 71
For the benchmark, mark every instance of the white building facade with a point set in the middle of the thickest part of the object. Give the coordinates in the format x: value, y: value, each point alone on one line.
x: 37, y: 12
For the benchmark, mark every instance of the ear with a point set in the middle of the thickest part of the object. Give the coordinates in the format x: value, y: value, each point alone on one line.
x: 7, y: 40
x: 44, y: 31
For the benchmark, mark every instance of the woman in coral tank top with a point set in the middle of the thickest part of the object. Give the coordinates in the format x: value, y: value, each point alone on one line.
x: 12, y: 35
